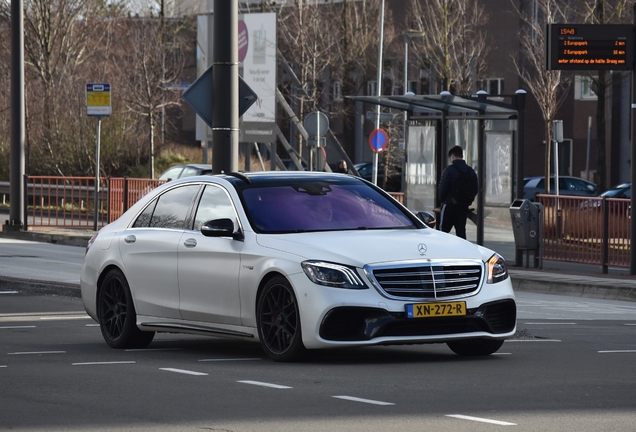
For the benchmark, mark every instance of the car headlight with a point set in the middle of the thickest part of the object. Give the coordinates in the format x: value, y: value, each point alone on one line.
x: 496, y: 268
x: 332, y: 275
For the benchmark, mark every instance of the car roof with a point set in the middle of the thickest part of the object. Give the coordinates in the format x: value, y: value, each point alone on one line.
x: 284, y: 177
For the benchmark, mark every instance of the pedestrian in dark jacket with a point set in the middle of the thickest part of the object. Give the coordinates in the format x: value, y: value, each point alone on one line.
x: 454, y: 213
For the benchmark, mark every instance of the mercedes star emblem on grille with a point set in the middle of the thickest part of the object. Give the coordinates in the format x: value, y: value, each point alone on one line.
x: 422, y: 248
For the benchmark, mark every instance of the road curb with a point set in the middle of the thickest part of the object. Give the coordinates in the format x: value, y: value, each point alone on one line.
x: 65, y: 238
x: 40, y: 287
x: 574, y: 289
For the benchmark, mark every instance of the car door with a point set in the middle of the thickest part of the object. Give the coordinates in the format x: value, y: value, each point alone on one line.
x: 149, y: 252
x: 208, y: 267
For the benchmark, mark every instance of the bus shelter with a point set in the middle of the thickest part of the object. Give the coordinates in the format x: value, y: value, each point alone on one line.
x: 488, y: 128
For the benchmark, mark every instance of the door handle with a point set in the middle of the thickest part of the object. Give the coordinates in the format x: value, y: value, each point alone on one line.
x: 190, y: 243
x: 130, y: 239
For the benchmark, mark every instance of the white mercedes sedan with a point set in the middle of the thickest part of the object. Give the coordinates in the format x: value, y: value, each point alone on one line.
x: 295, y: 260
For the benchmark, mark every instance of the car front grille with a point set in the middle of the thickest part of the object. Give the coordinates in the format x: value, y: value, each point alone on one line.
x: 428, y: 280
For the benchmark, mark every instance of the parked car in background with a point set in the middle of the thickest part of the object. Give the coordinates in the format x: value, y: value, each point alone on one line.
x: 620, y: 191
x: 297, y: 261
x: 568, y: 186
x: 394, y: 183
x: 185, y: 170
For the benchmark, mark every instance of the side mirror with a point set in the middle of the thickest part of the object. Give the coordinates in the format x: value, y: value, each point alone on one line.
x: 428, y: 218
x: 220, y: 228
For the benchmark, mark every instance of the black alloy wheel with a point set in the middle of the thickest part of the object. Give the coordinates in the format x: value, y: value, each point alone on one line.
x: 279, y: 321
x: 475, y: 347
x: 117, y: 316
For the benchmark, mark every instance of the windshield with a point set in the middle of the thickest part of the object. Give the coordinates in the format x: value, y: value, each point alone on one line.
x: 321, y: 206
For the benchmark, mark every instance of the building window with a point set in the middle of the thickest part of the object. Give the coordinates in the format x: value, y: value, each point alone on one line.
x: 337, y: 91
x: 492, y: 86
x: 412, y: 87
x: 372, y: 88
x: 583, y: 88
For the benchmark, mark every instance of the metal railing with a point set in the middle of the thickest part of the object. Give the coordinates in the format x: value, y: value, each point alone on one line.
x: 69, y: 202
x: 575, y: 229
x: 586, y: 230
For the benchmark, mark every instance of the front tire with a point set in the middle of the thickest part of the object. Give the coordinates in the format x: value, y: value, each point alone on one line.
x: 279, y: 321
x: 117, y: 316
x: 475, y: 347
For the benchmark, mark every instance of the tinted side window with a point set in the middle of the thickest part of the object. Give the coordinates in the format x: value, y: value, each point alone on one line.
x: 172, y: 207
x: 214, y: 204
x: 143, y: 220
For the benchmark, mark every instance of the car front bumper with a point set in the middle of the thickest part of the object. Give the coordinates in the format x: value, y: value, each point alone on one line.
x: 334, y: 317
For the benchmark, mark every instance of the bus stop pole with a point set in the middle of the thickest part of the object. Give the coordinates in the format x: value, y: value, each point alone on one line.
x: 97, y: 143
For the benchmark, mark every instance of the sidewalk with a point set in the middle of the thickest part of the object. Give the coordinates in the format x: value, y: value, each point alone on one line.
x: 562, y: 278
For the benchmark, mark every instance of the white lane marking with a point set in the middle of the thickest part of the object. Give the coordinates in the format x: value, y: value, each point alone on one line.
x: 183, y: 371
x: 37, y: 352
x: 533, y: 340
x: 102, y: 363
x: 41, y: 314
x: 263, y: 384
x: 482, y: 420
x: 228, y: 359
x: 16, y: 327
x: 1, y: 366
x: 8, y: 292
x: 92, y: 325
x: 617, y: 351
x: 37, y: 316
x: 153, y: 349
x: 368, y: 401
x: 631, y: 324
x: 548, y: 323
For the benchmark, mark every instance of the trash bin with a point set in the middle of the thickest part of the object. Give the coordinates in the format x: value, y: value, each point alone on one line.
x: 526, y: 223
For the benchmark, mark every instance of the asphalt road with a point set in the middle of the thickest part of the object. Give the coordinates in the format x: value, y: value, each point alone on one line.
x: 570, y: 369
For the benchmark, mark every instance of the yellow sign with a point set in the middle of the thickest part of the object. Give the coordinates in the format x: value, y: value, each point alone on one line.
x: 98, y: 99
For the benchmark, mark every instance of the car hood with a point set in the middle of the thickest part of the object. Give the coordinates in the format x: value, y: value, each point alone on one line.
x: 359, y: 248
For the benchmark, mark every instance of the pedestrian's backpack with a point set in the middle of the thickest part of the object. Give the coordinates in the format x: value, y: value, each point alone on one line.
x: 463, y: 191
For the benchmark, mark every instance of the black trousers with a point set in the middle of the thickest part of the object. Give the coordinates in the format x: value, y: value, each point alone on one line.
x: 453, y: 216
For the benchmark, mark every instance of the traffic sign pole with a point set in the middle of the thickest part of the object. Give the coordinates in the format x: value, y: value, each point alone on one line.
x: 97, y: 104
x: 97, y: 143
x: 378, y: 141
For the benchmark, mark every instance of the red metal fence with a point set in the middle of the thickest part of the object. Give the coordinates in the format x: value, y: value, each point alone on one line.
x: 586, y: 230
x: 582, y: 230
x: 69, y: 202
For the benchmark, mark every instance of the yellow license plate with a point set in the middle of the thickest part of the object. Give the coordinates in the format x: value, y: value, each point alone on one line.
x: 430, y: 310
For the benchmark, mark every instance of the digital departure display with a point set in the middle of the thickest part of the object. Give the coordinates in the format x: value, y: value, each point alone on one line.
x: 589, y: 47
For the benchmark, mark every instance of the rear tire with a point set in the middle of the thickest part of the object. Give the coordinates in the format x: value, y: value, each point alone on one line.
x: 117, y: 316
x: 279, y: 321
x: 475, y: 347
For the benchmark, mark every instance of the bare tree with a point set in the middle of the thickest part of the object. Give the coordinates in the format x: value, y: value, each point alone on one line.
x: 549, y: 87
x: 59, y: 38
x: 455, y: 40
x: 150, y: 71
x: 332, y: 42
x: 602, y: 12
